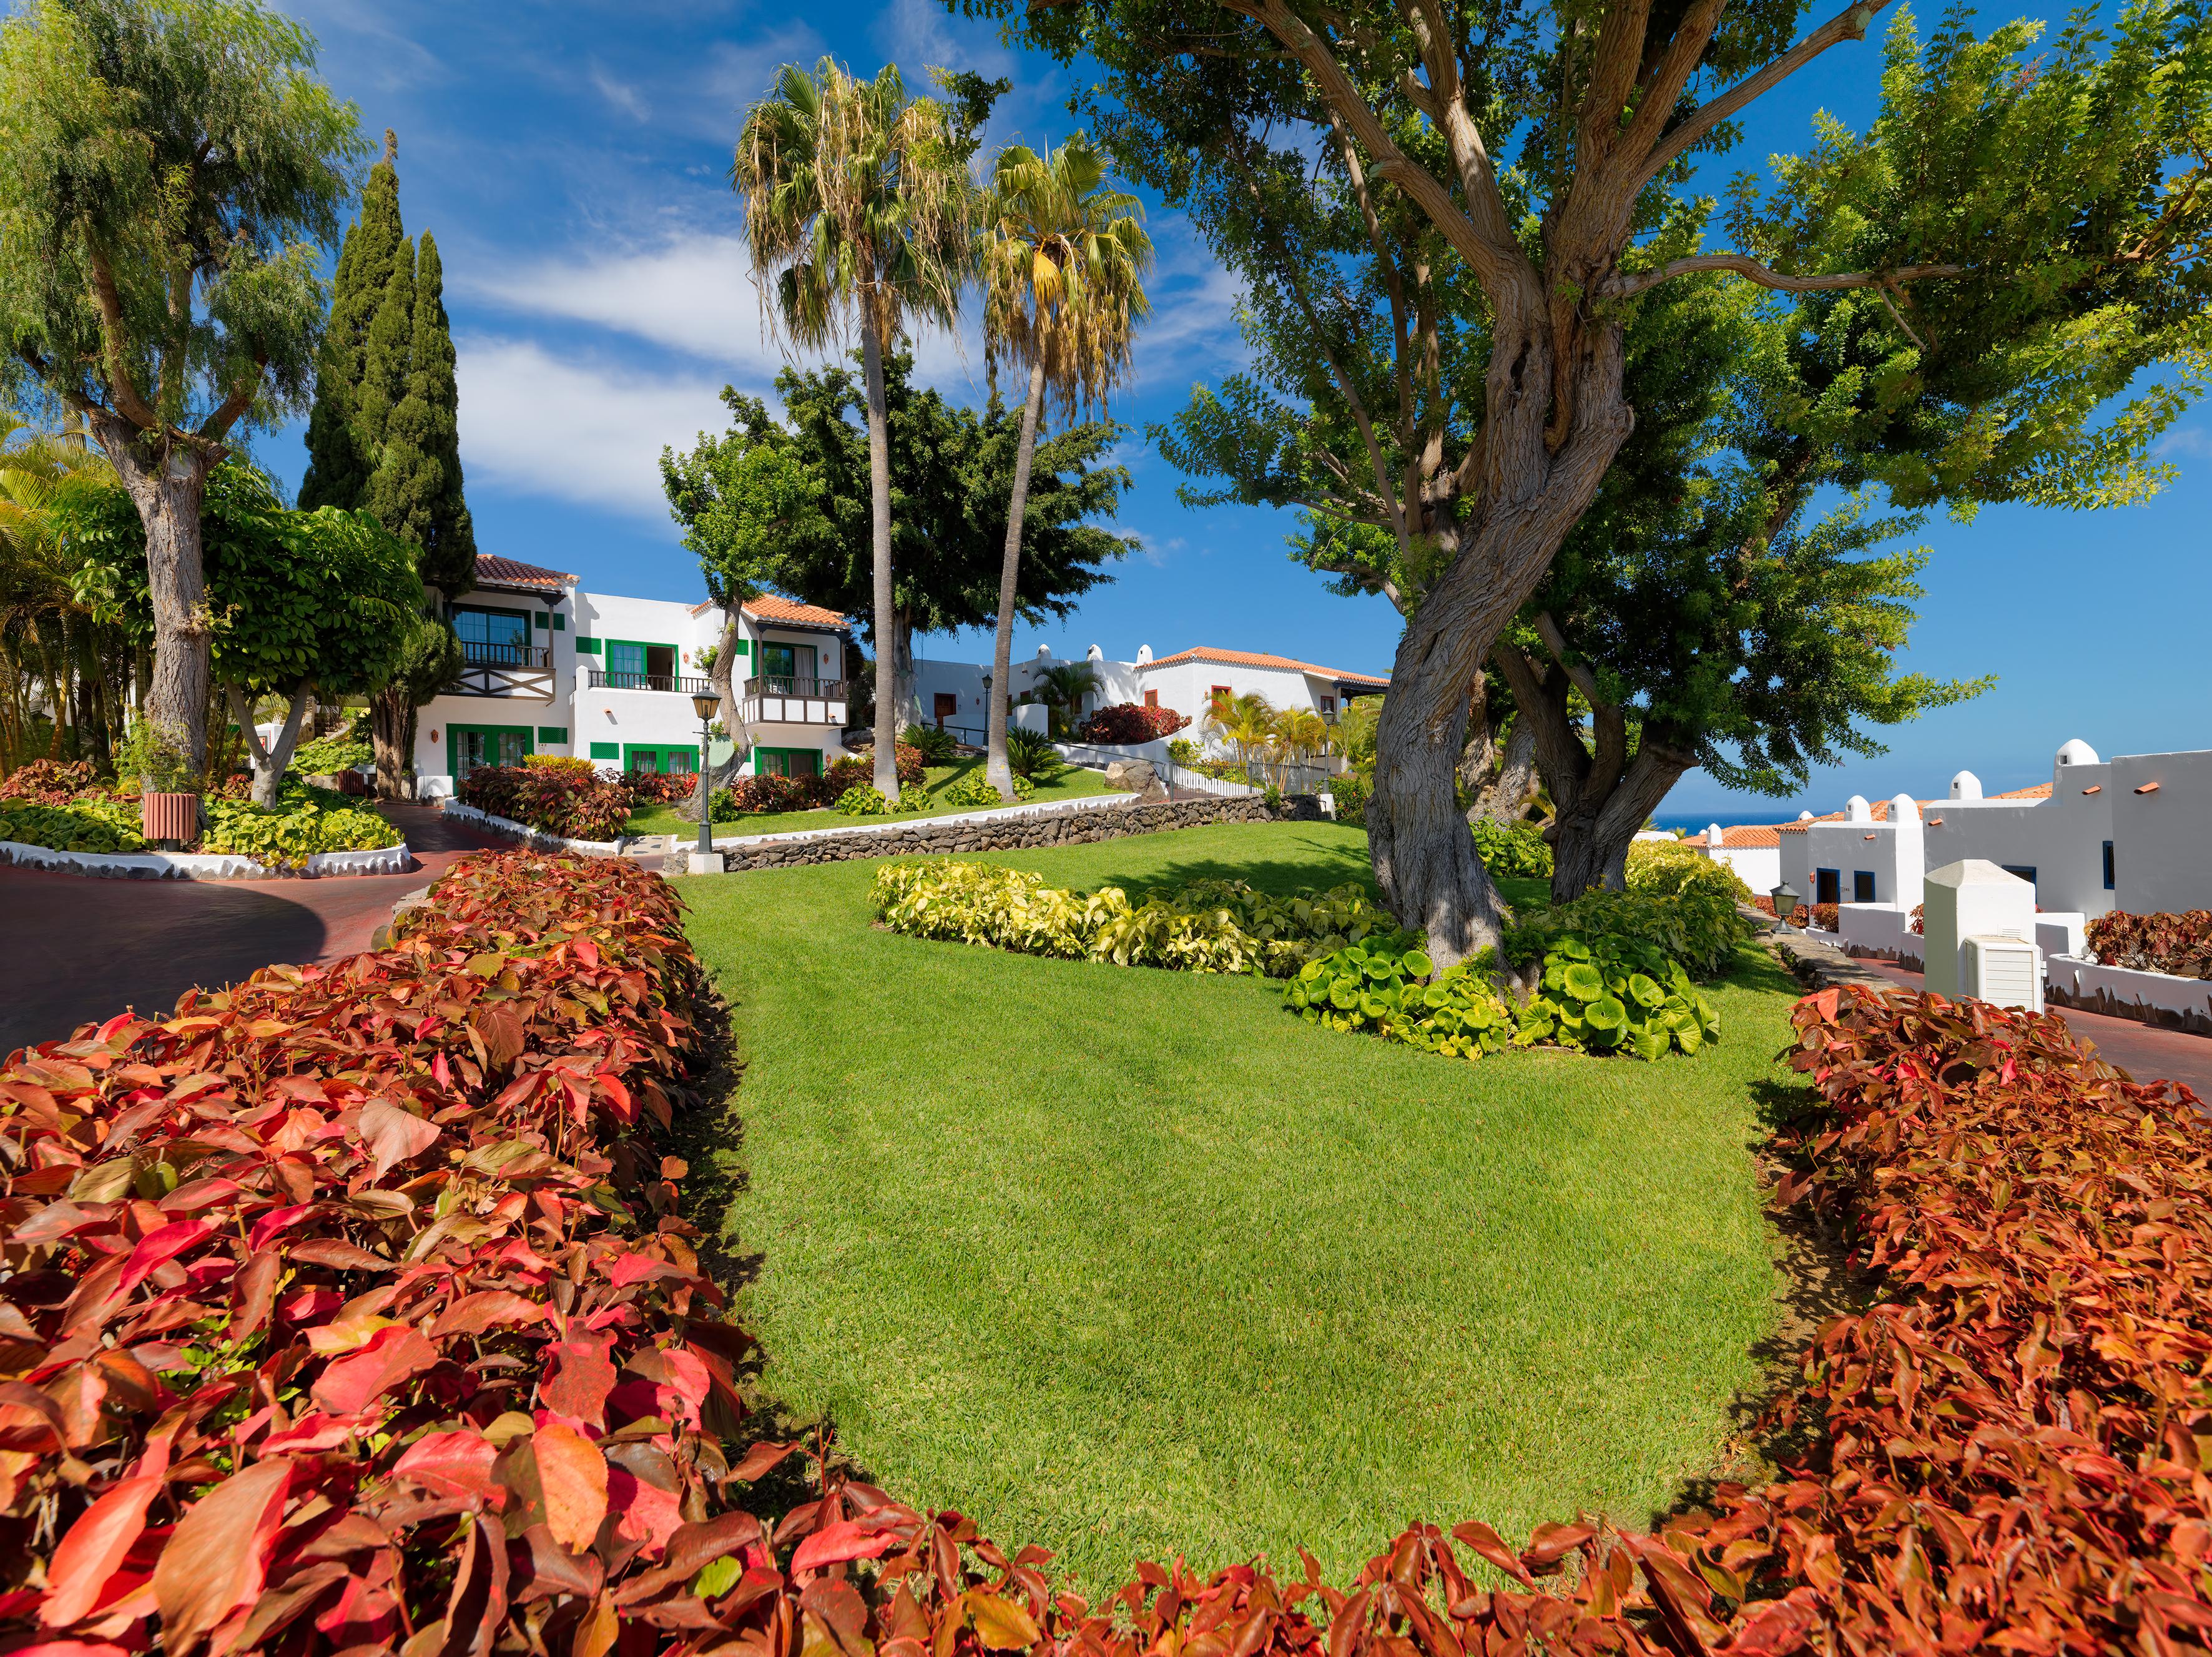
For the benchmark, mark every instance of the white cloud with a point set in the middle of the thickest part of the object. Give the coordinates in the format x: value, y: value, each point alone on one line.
x: 571, y: 429
x: 2194, y: 441
x: 622, y: 96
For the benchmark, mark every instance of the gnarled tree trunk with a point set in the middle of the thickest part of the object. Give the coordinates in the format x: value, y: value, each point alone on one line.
x: 167, y: 487
x: 1601, y: 793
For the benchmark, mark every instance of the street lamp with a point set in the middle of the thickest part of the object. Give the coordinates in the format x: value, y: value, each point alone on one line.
x: 1786, y: 899
x: 704, y: 705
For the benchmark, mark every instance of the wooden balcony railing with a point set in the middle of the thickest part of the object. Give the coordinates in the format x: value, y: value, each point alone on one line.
x: 477, y: 652
x: 790, y: 699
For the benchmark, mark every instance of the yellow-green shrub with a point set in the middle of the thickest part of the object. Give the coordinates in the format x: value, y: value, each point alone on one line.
x: 1664, y: 867
x: 85, y: 824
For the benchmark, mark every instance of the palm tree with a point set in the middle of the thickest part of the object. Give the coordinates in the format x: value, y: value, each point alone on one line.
x: 858, y: 205
x: 41, y: 614
x: 1061, y: 687
x: 1246, y: 723
x: 1064, y: 259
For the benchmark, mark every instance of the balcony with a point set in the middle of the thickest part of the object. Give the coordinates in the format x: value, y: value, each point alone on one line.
x: 777, y: 699
x: 676, y: 684
x: 489, y: 669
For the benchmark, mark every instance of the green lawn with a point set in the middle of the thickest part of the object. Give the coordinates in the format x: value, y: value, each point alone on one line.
x: 1130, y: 1262
x: 1069, y: 784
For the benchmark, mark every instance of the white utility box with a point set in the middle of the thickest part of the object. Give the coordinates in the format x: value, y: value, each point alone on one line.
x: 2004, y: 971
x: 1970, y: 899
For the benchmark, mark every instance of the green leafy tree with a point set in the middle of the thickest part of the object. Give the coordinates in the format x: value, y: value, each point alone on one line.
x: 1064, y: 261
x: 857, y: 209
x: 300, y: 601
x: 784, y: 506
x: 166, y: 172
x: 1451, y: 215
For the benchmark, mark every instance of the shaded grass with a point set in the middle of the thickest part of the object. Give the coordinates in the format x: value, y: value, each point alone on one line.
x: 1129, y: 1262
x: 1071, y: 782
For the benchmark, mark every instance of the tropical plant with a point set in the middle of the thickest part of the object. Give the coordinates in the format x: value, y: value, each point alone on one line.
x: 866, y: 800
x: 1699, y: 928
x: 935, y: 745
x: 47, y: 632
x: 1511, y: 850
x: 554, y: 801
x: 1064, y: 258
x: 2176, y: 944
x: 973, y: 789
x: 166, y: 174
x: 1668, y: 866
x: 857, y: 204
x: 1397, y: 993
x: 1031, y: 755
x: 332, y: 754
x: 1061, y: 687
x: 1616, y: 995
x: 1245, y: 723
x: 1131, y: 723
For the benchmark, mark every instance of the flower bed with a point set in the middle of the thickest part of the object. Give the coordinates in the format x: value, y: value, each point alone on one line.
x: 1126, y: 724
x: 305, y: 821
x: 2178, y: 945
x: 350, y: 1311
x: 552, y: 799
x: 651, y: 788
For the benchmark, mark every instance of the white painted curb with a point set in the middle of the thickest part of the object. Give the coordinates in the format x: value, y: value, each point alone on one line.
x: 201, y: 865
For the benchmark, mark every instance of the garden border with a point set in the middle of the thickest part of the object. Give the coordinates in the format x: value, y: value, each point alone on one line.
x: 2162, y: 1000
x: 1008, y: 828
x: 537, y: 838
x: 205, y: 865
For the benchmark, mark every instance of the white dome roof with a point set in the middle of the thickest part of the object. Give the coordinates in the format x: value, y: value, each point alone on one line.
x: 2077, y: 752
x: 1966, y: 785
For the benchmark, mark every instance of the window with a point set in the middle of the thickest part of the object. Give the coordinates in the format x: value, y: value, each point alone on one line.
x: 1152, y: 699
x: 555, y: 733
x: 493, y: 638
x: 586, y: 646
x: 787, y: 668
x: 551, y: 619
x: 1827, y: 886
x: 1218, y: 693
x: 2108, y: 865
x: 474, y: 745
x: 607, y: 750
x: 2025, y: 871
x: 786, y: 762
x: 1862, y: 885
x: 633, y: 666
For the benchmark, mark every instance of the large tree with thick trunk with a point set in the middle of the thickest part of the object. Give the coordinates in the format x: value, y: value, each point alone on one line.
x: 1465, y: 311
x: 165, y: 174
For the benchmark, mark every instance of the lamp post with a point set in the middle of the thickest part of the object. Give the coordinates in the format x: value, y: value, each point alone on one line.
x: 1786, y: 899
x: 704, y: 705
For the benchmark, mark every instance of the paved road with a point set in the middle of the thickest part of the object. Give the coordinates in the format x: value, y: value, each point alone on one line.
x: 2145, y: 1054
x: 75, y: 951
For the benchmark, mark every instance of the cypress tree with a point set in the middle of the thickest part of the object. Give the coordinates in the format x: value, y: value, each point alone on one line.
x: 341, y: 455
x: 384, y: 363
x: 417, y: 490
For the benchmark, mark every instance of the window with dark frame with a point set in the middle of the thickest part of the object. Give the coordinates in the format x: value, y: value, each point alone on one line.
x: 2109, y: 883
x: 1862, y: 885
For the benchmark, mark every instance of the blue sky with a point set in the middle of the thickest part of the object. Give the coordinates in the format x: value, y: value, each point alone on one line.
x: 572, y: 160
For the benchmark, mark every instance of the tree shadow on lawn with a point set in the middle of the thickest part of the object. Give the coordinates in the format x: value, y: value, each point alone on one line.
x: 709, y: 1136
x: 1819, y: 1283
x: 1278, y: 878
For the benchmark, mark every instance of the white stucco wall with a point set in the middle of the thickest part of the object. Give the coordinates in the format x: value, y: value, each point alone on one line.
x: 2162, y: 839
x: 1892, y: 851
x: 1759, y: 867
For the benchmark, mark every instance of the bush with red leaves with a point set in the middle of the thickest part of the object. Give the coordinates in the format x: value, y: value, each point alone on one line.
x: 556, y: 800
x: 350, y: 1311
x: 653, y: 788
x: 2179, y: 945
x: 750, y: 796
x: 49, y: 782
x: 912, y: 769
x: 1126, y: 723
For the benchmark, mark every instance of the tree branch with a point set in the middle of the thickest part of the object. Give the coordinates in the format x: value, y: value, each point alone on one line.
x: 239, y: 400
x: 1621, y: 284
x: 1850, y: 25
x: 109, y: 300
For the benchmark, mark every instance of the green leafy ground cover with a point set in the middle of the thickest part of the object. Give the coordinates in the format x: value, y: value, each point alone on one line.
x: 1126, y: 1262
x: 944, y: 779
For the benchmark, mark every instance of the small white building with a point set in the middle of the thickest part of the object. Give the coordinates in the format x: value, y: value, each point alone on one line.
x: 548, y: 667
x: 1754, y: 850
x: 952, y: 695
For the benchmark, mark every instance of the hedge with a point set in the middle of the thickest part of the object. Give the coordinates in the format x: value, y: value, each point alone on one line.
x: 350, y: 1311
x: 553, y: 799
x: 1700, y: 928
x: 1127, y: 724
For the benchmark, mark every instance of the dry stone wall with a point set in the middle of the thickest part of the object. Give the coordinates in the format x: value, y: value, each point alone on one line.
x: 955, y: 834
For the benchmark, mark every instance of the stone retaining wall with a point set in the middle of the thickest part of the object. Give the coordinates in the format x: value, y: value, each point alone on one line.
x: 956, y: 835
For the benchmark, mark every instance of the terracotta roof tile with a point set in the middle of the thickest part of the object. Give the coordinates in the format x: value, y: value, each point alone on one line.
x: 1743, y: 834
x: 2041, y: 791
x: 513, y: 573
x: 769, y: 608
x: 1255, y: 659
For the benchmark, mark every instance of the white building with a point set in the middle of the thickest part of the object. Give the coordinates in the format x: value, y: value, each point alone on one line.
x: 2132, y: 833
x: 1754, y: 850
x: 549, y: 668
x: 952, y: 695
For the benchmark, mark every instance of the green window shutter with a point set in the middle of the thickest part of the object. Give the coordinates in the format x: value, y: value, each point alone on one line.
x: 553, y: 733
x: 560, y: 622
x: 606, y: 750
x: 744, y: 647
x: 539, y: 621
x: 587, y: 647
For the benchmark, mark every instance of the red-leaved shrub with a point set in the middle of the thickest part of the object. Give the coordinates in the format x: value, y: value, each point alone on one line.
x: 653, y: 788
x: 351, y: 1311
x: 1127, y: 723
x: 49, y: 782
x: 2176, y: 944
x: 912, y: 764
x: 749, y: 795
x: 575, y: 805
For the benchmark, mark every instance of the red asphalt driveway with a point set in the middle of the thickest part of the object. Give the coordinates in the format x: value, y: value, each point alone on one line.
x: 74, y: 951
